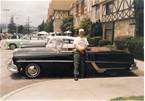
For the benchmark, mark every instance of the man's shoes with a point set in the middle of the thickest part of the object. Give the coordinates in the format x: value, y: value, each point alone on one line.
x: 75, y: 77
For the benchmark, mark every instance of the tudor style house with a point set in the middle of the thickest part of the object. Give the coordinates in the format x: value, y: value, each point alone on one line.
x: 57, y: 10
x: 117, y: 17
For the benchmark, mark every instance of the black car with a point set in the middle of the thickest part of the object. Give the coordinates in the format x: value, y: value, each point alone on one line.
x: 32, y: 61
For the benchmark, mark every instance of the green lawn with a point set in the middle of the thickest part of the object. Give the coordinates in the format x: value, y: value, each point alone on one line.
x: 130, y: 98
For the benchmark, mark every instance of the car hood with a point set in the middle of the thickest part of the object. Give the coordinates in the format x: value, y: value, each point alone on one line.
x: 33, y: 51
x: 9, y: 40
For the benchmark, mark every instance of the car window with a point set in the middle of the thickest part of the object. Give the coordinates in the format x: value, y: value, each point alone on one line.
x: 71, y: 41
x: 66, y: 41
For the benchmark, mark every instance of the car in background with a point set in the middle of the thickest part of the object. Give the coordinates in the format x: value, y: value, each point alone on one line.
x: 67, y: 41
x: 24, y: 42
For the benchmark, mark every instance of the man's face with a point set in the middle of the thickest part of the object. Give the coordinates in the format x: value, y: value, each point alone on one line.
x: 81, y: 34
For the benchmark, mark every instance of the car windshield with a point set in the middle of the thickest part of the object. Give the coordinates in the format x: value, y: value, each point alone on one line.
x: 56, y: 43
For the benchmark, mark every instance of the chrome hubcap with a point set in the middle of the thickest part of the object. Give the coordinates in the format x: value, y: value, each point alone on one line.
x: 32, y: 70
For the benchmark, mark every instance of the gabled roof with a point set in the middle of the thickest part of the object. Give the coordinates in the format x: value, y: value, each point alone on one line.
x: 64, y: 5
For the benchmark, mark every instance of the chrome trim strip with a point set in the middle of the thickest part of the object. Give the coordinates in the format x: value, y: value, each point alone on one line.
x: 69, y: 61
x: 61, y: 61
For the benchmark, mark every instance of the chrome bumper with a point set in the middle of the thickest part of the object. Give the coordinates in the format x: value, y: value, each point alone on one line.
x: 11, y: 67
x: 133, y: 67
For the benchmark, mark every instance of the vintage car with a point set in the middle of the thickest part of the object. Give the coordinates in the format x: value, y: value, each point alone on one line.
x: 33, y: 61
x: 23, y: 42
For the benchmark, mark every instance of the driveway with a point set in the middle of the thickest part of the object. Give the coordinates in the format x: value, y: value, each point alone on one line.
x: 84, y: 89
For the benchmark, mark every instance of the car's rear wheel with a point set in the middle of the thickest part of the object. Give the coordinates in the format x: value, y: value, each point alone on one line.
x: 32, y: 70
x: 12, y: 46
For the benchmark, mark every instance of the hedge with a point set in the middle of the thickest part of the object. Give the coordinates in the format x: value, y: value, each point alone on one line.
x: 93, y: 41
x: 121, y: 42
x: 104, y: 42
x: 134, y: 45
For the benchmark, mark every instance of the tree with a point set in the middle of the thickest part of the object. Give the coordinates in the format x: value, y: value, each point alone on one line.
x: 21, y: 29
x: 139, y: 16
x: 48, y: 26
x: 86, y: 24
x: 41, y: 26
x: 12, y: 26
x: 67, y: 24
x: 0, y: 30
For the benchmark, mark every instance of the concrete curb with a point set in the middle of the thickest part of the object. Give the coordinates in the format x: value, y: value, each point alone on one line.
x: 21, y: 89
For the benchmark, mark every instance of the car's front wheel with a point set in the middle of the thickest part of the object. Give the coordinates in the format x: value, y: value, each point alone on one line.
x: 32, y: 70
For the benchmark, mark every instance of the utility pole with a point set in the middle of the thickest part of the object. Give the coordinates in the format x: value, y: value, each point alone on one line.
x: 6, y: 10
x: 28, y: 22
x: 16, y: 25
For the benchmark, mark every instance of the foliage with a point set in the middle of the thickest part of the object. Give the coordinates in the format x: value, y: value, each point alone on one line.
x: 0, y: 30
x: 130, y: 98
x: 41, y: 26
x: 67, y: 24
x: 121, y: 42
x: 136, y: 47
x: 97, y: 29
x: 93, y: 41
x: 12, y: 26
x: 21, y: 29
x: 139, y: 16
x: 86, y: 24
x: 104, y: 42
x: 48, y: 27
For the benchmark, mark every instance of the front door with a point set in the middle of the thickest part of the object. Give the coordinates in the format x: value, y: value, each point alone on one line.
x: 109, y: 31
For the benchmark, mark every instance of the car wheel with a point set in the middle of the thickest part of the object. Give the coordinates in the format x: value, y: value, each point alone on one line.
x: 12, y: 46
x: 32, y: 70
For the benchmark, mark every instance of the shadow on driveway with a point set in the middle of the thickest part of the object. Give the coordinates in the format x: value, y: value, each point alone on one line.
x: 68, y: 75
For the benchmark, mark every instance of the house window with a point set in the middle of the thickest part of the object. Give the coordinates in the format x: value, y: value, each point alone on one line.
x: 97, y: 11
x: 109, y: 31
x: 82, y: 7
x: 77, y: 10
x: 109, y: 8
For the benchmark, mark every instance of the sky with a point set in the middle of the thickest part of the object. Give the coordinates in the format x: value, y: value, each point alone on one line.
x: 36, y: 10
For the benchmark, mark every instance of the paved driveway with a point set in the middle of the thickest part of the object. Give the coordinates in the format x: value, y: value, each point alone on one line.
x: 84, y: 89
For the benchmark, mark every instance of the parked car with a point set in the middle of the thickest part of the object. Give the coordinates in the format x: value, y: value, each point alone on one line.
x: 67, y: 42
x: 32, y: 61
x: 24, y: 42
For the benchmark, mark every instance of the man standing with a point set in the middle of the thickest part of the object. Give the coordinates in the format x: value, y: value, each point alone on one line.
x: 81, y: 45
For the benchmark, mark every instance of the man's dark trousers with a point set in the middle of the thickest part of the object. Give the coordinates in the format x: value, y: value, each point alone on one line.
x: 79, y: 63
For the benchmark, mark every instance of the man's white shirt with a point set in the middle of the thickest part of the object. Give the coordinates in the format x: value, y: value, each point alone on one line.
x: 81, y: 42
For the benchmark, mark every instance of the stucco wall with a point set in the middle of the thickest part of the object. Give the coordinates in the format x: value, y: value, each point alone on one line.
x: 124, y: 27
x: 57, y: 23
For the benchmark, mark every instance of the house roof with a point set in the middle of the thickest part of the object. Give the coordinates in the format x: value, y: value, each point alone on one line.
x: 60, y: 5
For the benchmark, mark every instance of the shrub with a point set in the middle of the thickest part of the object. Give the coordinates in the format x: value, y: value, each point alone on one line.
x: 136, y: 47
x: 104, y: 42
x: 121, y: 42
x: 93, y: 41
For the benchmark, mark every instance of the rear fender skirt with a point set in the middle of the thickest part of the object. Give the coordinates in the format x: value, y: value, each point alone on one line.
x: 101, y: 70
